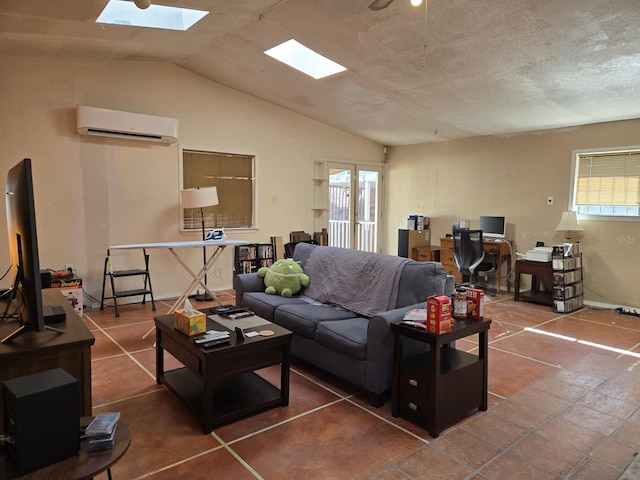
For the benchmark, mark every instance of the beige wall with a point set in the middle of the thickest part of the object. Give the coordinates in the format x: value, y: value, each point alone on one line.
x: 92, y: 192
x: 513, y: 176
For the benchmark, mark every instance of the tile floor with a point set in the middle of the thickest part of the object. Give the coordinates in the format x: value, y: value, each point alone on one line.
x: 564, y: 398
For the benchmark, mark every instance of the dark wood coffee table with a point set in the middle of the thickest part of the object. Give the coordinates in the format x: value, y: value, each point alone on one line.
x: 219, y: 384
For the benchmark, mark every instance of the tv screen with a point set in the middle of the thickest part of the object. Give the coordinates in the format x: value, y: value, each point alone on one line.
x: 23, y: 248
x: 492, y: 227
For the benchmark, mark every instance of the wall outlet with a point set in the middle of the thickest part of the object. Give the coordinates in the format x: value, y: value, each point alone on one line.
x: 549, y: 200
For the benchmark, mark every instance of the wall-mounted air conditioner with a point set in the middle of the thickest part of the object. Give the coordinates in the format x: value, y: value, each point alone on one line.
x: 135, y: 126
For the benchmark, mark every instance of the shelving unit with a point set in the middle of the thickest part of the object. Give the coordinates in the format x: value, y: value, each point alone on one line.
x: 320, y: 189
x: 115, y: 275
x: 566, y: 261
x: 249, y: 258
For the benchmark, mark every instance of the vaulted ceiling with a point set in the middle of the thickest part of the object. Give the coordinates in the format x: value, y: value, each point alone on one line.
x: 467, y: 68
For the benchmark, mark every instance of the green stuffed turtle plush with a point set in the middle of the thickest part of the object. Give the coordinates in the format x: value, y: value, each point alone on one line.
x: 285, y: 278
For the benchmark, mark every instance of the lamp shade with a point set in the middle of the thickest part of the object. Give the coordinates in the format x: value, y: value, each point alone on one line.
x: 569, y: 222
x: 199, y: 197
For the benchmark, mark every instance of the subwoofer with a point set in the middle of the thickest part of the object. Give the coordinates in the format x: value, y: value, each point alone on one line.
x: 41, y: 419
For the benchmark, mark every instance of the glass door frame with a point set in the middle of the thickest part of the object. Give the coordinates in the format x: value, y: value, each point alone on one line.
x: 354, y: 227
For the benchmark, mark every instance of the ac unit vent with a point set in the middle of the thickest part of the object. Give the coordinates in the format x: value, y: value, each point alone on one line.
x: 135, y: 126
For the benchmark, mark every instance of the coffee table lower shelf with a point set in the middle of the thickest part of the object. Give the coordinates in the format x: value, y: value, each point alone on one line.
x: 233, y: 397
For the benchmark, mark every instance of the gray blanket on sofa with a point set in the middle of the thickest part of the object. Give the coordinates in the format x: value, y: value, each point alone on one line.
x: 364, y: 283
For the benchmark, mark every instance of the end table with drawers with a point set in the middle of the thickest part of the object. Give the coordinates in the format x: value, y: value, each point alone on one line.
x: 440, y: 385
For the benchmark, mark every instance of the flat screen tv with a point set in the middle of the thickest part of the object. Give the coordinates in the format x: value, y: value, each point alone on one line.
x: 492, y: 227
x: 23, y: 248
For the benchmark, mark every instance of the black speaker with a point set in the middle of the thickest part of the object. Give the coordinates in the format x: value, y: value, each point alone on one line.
x: 41, y: 418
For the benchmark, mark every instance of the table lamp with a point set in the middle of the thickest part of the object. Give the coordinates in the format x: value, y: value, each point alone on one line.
x: 200, y: 197
x: 569, y: 223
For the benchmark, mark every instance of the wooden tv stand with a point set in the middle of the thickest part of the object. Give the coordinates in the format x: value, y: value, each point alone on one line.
x: 34, y: 352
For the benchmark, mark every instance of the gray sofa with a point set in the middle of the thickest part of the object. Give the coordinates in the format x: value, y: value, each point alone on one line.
x: 352, y: 339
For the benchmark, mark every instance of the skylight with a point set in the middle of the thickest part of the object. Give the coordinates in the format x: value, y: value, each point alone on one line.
x: 304, y: 59
x: 119, y: 12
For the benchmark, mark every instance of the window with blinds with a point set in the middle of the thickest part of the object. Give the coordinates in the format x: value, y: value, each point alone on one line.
x: 233, y: 175
x: 607, y: 183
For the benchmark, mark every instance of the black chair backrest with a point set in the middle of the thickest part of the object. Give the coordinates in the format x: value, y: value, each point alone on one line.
x: 468, y: 249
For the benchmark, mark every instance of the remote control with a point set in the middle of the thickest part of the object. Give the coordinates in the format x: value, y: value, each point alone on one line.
x: 210, y: 336
x: 213, y: 343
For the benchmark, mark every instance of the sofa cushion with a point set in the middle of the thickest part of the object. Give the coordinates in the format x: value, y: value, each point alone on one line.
x: 345, y: 336
x: 264, y: 305
x: 303, y: 319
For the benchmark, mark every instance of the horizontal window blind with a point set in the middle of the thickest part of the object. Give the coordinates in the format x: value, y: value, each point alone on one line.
x: 608, y: 183
x: 233, y: 176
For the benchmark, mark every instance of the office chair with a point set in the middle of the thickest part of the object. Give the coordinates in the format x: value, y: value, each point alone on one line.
x: 468, y: 252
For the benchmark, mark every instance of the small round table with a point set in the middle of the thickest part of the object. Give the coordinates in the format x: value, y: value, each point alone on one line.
x: 83, y: 466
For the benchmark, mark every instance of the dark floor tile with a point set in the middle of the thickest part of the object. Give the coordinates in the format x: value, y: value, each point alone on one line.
x: 304, y: 396
x: 551, y: 456
x: 559, y: 387
x: 510, y: 373
x: 104, y: 346
x: 608, y: 335
x: 601, y: 365
x: 542, y: 401
x: 162, y: 433
x: 118, y: 378
x: 572, y: 436
x: 548, y: 349
x: 219, y: 463
x: 315, y: 445
x: 594, y: 394
x: 593, y: 469
x: 389, y: 473
x: 520, y: 414
x: 514, y: 467
x: 590, y: 419
x: 615, y: 454
x: 495, y: 430
x: 466, y: 448
x: 609, y: 405
x: 519, y: 314
x: 629, y: 434
x: 429, y: 463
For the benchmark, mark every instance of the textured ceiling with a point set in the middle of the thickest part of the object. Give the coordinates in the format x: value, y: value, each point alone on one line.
x: 490, y: 67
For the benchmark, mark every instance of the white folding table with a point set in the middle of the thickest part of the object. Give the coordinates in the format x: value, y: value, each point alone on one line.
x: 197, y: 278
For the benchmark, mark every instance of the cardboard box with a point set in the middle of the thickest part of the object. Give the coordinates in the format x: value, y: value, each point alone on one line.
x: 438, y: 314
x: 475, y: 303
x: 193, y: 324
x: 70, y: 286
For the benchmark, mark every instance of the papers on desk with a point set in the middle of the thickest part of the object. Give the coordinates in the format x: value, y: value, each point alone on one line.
x: 539, y: 254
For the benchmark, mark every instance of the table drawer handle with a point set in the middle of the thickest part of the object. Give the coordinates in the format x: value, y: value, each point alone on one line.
x: 413, y: 406
x: 413, y: 383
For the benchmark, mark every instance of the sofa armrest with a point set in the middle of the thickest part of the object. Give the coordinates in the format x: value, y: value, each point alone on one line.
x: 379, y: 325
x: 380, y: 347
x: 247, y: 282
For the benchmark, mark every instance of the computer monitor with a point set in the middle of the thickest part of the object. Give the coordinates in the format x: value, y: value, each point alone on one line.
x: 492, y: 227
x: 23, y: 248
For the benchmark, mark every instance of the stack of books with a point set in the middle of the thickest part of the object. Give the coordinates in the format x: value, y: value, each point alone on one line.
x: 101, y: 432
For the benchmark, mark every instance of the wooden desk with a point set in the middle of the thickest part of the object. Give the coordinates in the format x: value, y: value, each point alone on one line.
x: 83, y: 466
x: 540, y: 272
x: 34, y: 352
x: 500, y: 248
